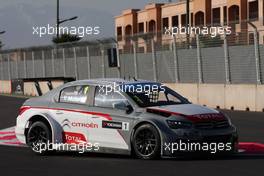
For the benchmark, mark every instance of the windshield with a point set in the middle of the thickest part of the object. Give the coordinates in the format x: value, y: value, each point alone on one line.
x: 158, y: 97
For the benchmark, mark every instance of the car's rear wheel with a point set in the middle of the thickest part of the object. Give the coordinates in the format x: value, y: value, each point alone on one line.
x: 39, y: 138
x: 146, y: 142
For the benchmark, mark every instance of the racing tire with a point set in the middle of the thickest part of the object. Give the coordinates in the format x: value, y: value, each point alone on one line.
x: 146, y: 142
x: 39, y: 138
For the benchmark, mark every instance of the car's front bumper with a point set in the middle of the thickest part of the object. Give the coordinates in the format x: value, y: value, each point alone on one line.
x: 212, y: 141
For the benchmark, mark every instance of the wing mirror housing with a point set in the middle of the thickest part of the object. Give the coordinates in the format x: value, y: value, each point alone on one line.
x: 124, y: 107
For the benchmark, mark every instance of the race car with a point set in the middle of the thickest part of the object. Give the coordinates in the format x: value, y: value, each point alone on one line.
x: 132, y: 117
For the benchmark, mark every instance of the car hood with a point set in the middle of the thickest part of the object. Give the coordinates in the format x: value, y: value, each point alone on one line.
x: 190, y: 111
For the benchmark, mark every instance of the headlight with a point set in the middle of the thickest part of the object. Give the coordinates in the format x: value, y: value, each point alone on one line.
x: 179, y: 124
x: 227, y: 118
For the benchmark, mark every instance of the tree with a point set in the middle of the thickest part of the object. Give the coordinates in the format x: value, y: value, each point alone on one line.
x: 64, y: 38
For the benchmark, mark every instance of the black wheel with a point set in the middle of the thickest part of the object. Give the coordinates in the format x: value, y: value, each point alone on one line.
x: 146, y: 142
x: 39, y: 138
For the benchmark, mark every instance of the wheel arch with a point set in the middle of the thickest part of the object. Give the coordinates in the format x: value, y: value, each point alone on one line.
x: 140, y: 123
x: 37, y: 118
x: 55, y: 128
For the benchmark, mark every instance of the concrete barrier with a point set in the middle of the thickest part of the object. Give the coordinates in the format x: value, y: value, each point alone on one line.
x: 240, y: 97
x: 232, y: 96
x: 56, y: 84
x: 260, y: 98
x: 235, y: 96
x: 212, y: 95
x: 44, y: 86
x: 30, y: 89
x: 189, y: 91
x: 5, y: 87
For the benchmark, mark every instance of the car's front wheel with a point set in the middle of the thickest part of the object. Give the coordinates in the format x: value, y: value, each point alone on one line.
x: 146, y: 142
x: 39, y: 138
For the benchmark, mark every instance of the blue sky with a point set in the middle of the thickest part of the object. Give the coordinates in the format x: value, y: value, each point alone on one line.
x: 17, y: 17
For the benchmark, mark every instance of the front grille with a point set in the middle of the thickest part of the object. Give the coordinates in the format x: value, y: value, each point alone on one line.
x: 212, y: 125
x: 220, y: 138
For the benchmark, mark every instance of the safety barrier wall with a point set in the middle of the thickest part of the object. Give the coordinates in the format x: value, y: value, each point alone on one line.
x: 5, y: 86
x: 226, y: 96
x: 29, y: 87
x: 31, y: 90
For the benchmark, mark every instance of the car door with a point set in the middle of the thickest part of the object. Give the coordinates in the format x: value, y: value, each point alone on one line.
x: 71, y: 112
x: 114, y: 124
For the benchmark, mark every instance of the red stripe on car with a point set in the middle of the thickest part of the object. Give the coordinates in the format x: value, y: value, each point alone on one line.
x: 106, y: 116
x: 195, y: 117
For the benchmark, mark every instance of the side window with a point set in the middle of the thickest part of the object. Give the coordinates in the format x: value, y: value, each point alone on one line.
x: 173, y: 98
x: 107, y: 99
x: 74, y: 94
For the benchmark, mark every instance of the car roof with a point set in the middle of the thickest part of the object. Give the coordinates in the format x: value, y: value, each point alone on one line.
x: 111, y: 81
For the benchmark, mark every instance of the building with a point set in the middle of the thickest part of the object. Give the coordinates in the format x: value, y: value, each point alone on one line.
x: 155, y: 17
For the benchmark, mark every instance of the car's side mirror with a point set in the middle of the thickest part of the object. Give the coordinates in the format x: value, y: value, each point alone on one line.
x: 123, y: 106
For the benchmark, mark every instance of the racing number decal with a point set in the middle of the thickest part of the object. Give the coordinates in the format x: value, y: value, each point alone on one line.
x: 125, y: 126
x: 116, y: 125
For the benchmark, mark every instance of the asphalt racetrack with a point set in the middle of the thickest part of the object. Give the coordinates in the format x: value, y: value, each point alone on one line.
x: 21, y: 161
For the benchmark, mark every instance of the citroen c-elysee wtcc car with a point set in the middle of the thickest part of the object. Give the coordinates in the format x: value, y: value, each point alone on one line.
x: 121, y: 116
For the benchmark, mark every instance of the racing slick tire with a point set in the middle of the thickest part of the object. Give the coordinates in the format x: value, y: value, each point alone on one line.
x: 39, y: 138
x: 146, y: 142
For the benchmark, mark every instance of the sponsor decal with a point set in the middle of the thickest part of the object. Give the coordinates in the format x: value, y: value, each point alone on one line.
x: 84, y: 125
x: 115, y: 125
x: 65, y: 123
x: 69, y: 124
x: 213, y: 116
x: 73, y: 138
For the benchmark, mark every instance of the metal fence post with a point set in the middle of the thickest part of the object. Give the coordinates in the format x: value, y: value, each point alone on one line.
x: 135, y: 59
x: 175, y: 57
x: 257, y: 56
x: 8, y: 68
x: 52, y: 63
x: 2, y: 67
x: 199, y: 60
x: 33, y: 63
x: 103, y: 62
x: 88, y: 62
x: 75, y: 64
x: 154, y: 60
x: 118, y: 61
x: 227, y: 61
x: 17, y: 73
x: 43, y: 64
x: 25, y: 64
x: 64, y: 62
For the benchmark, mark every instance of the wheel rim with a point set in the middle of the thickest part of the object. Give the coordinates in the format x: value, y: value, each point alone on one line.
x: 37, y: 135
x: 146, y: 142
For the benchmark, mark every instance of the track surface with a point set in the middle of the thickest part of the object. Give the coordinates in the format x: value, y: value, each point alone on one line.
x: 21, y: 161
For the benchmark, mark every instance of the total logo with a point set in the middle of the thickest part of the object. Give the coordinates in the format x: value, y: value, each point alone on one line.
x: 73, y: 138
